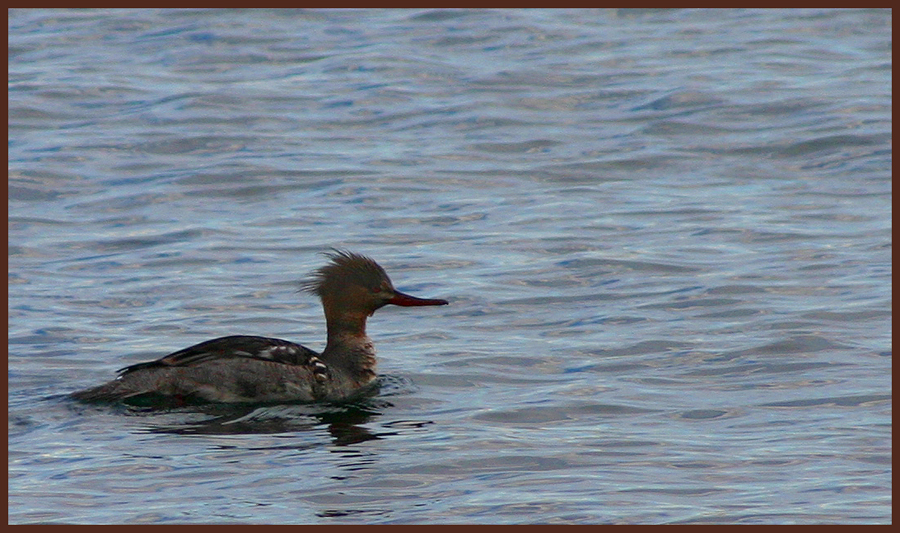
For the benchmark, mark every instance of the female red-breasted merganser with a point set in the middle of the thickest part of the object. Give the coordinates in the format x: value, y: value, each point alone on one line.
x: 259, y: 369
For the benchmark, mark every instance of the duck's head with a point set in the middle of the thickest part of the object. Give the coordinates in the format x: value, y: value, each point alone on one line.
x: 353, y: 283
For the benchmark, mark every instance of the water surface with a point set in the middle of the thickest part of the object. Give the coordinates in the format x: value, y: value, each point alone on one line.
x: 665, y: 237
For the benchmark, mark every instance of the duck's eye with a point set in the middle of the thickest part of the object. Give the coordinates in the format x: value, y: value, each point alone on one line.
x: 380, y: 289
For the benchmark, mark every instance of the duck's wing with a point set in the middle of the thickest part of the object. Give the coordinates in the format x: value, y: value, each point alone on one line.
x: 236, y: 346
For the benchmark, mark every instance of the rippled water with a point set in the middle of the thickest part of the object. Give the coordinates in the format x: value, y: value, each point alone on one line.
x: 665, y: 236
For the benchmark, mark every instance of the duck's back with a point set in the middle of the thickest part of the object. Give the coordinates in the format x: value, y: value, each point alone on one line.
x: 239, y: 368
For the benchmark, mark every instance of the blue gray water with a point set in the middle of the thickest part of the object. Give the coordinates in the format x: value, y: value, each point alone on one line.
x: 665, y: 236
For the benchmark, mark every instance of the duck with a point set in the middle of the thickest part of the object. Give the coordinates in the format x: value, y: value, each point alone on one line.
x: 253, y: 369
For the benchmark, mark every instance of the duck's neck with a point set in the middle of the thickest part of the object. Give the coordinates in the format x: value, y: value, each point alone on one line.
x: 349, y: 350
